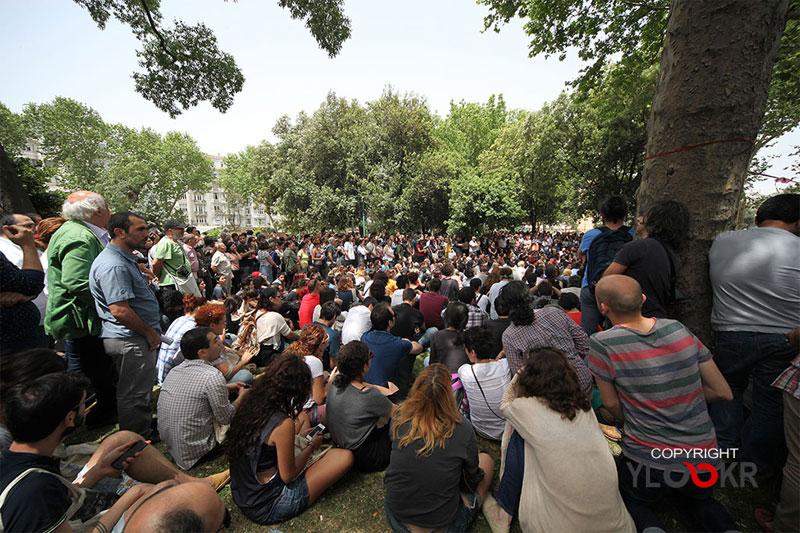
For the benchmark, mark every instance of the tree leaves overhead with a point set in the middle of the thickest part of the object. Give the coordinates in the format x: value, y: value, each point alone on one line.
x: 138, y: 170
x: 183, y: 65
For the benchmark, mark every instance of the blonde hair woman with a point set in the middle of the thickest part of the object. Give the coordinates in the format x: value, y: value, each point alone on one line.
x: 433, y: 449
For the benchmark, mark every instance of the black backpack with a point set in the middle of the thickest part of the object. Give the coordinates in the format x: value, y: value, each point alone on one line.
x: 602, y: 251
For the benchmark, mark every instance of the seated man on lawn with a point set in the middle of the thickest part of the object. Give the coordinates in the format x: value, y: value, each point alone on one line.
x: 393, y: 360
x: 193, y: 397
x: 39, y: 414
x: 654, y: 375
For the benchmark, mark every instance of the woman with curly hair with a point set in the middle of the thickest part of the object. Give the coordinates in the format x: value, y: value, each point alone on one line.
x: 357, y: 412
x: 169, y: 355
x: 231, y: 363
x: 267, y: 479
x: 433, y: 448
x: 310, y: 347
x: 653, y: 260
x: 573, y: 486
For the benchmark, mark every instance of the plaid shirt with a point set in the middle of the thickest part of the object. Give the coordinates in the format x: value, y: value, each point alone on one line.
x: 168, y: 352
x: 192, y: 398
x: 789, y: 380
x: 552, y: 328
x: 477, y: 317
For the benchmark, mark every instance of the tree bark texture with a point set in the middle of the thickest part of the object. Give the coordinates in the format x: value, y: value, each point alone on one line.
x: 712, y: 86
x: 13, y: 197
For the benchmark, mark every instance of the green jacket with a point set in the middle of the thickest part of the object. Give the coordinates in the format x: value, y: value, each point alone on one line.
x: 70, y: 307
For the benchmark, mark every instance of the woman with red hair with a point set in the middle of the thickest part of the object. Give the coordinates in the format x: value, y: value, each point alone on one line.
x: 231, y: 363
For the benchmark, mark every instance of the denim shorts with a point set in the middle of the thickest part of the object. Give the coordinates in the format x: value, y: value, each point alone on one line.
x: 462, y: 522
x: 292, y: 501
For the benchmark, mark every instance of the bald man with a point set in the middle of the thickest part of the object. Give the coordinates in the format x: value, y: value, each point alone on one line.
x: 172, y: 506
x: 655, y: 376
x: 71, y: 314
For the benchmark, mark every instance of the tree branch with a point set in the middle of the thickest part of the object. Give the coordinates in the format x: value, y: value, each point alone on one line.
x: 153, y: 27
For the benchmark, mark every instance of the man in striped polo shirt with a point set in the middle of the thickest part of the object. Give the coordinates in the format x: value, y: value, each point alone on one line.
x: 655, y: 376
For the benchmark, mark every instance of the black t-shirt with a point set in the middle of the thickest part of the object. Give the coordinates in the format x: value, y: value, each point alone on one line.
x: 39, y: 501
x: 247, y: 259
x: 498, y: 326
x: 647, y: 262
x: 445, y: 350
x: 423, y: 491
x: 406, y: 319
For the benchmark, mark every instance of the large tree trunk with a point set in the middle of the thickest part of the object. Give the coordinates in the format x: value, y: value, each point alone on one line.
x: 712, y: 86
x: 13, y: 196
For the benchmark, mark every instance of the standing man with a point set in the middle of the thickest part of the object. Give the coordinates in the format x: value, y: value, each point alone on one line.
x: 189, y: 242
x: 169, y: 255
x: 129, y: 311
x: 598, y: 248
x: 350, y: 251
x: 290, y: 262
x: 221, y: 265
x: 755, y: 276
x: 71, y: 313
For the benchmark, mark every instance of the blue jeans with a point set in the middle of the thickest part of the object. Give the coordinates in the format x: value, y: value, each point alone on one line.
x: 510, y: 488
x: 590, y: 314
x: 741, y: 355
x: 242, y: 376
x: 267, y: 271
x: 292, y: 501
x: 642, y: 488
x: 464, y: 517
x: 425, y: 339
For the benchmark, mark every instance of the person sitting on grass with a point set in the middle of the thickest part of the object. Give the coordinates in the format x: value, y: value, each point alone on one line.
x: 267, y: 479
x: 357, y: 412
x: 657, y: 377
x: 433, y: 448
x: 39, y: 414
x: 485, y: 380
x: 194, y: 397
x: 235, y: 366
x: 554, y: 428
x: 309, y: 348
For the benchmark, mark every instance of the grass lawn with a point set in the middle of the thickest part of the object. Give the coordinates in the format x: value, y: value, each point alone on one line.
x: 355, y: 503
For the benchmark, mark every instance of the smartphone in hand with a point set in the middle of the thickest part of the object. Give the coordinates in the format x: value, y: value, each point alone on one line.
x: 127, y: 454
x: 319, y: 429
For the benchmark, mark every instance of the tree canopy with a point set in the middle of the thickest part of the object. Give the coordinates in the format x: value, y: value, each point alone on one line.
x: 183, y: 65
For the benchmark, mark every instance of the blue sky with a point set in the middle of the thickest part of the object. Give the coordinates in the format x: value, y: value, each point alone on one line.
x: 432, y: 48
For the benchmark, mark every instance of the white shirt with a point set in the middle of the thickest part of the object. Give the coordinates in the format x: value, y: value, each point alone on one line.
x: 356, y: 324
x: 494, y: 377
x: 101, y: 233
x: 397, y: 297
x: 14, y: 254
x: 315, y: 365
x: 269, y: 328
x: 350, y: 250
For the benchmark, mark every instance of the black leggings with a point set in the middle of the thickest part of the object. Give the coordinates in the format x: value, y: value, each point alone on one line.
x: 373, y: 454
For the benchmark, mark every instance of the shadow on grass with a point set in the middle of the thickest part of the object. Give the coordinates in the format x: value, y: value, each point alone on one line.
x: 355, y: 503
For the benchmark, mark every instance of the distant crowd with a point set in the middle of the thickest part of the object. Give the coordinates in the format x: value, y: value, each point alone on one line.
x: 298, y: 358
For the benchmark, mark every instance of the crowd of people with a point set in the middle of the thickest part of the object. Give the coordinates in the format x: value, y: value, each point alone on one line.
x: 293, y: 358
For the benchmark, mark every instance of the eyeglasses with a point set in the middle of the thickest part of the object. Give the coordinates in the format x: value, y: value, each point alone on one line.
x: 85, y: 401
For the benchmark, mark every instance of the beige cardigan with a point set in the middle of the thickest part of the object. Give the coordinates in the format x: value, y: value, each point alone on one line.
x: 570, y: 479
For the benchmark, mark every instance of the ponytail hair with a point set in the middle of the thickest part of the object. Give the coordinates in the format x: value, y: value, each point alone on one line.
x: 350, y: 361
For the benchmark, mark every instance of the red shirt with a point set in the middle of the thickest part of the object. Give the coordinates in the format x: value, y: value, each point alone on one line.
x: 431, y: 305
x: 307, y: 305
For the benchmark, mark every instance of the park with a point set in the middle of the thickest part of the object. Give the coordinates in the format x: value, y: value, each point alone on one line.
x: 310, y: 149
